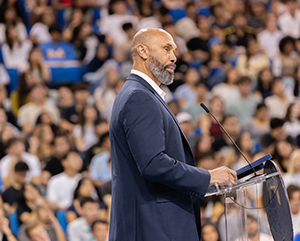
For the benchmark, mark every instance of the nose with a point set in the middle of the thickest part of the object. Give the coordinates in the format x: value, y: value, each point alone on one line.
x: 173, y: 58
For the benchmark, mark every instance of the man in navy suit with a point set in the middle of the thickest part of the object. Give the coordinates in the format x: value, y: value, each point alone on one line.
x: 156, y: 187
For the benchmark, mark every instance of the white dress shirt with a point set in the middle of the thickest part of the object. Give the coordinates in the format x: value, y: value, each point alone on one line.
x: 150, y: 82
x: 290, y: 25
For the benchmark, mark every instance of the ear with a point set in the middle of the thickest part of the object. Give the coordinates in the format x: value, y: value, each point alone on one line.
x: 142, y: 51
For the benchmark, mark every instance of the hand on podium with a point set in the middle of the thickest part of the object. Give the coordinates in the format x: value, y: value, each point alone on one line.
x: 223, y: 175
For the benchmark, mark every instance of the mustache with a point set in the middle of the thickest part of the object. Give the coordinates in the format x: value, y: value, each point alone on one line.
x: 170, y: 65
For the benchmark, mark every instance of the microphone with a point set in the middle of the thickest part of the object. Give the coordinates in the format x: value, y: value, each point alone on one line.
x: 233, y: 142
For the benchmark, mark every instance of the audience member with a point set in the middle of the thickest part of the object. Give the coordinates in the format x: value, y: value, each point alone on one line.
x: 294, y: 200
x: 57, y: 49
x: 11, y: 193
x: 80, y: 229
x: 29, y: 112
x: 293, y: 170
x: 61, y: 186
x: 244, y: 106
x: 100, y: 230
x: 209, y: 232
x: 85, y: 188
x: 100, y: 170
x: 264, y: 80
x: 15, y: 149
x: 292, y: 120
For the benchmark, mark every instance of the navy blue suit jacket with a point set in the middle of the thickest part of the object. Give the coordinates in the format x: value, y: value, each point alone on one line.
x: 155, y: 184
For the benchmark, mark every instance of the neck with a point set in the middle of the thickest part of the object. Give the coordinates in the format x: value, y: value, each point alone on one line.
x: 70, y: 173
x: 39, y: 102
x: 17, y: 186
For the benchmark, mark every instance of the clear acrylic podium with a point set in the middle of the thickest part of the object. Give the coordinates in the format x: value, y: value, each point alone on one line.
x: 236, y: 200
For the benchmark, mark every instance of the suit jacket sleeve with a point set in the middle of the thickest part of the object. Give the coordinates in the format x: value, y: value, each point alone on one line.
x: 144, y: 129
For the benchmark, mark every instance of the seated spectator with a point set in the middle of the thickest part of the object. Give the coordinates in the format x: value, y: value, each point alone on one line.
x: 37, y: 9
x: 11, y: 18
x: 27, y: 202
x: 45, y: 119
x: 15, y: 149
x: 270, y: 37
x: 228, y: 90
x: 41, y: 142
x: 74, y: 20
x: 100, y: 170
x: 244, y: 106
x: 101, y: 127
x: 15, y: 52
x: 209, y: 232
x: 221, y: 18
x: 253, y: 61
x: 5, y: 231
x: 29, y: 113
x: 57, y: 49
x: 61, y: 186
x: 10, y: 194
x: 106, y: 93
x: 276, y: 134
x: 70, y: 114
x: 186, y: 27
x: 37, y: 232
x: 202, y: 146
x: 36, y: 65
x: 281, y: 154
x: 278, y: 102
x: 54, y: 165
x: 202, y: 97
x: 264, y: 80
x: 259, y: 124
x: 198, y: 46
x: 39, y: 32
x: 286, y: 63
x: 293, y: 170
x: 19, y: 97
x: 215, y: 67
x: 84, y: 132
x: 122, y: 51
x: 237, y: 35
x: 4, y: 123
x: 6, y: 134
x: 293, y: 193
x: 257, y: 15
x: 111, y: 25
x: 100, y: 230
x: 222, y: 146
x: 84, y: 189
x: 289, y: 22
x: 185, y: 121
x: 206, y: 161
x: 292, y: 120
x: 84, y: 42
x: 80, y: 229
x: 186, y: 93
x: 46, y: 218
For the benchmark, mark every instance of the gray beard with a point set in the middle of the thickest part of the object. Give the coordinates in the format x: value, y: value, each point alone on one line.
x: 159, y: 71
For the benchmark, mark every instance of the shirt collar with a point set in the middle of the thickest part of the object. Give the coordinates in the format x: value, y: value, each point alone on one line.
x: 150, y: 82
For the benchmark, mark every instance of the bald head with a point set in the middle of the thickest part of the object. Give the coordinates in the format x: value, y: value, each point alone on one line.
x: 146, y: 36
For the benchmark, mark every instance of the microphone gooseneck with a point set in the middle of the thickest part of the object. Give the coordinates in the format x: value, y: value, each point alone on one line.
x: 233, y: 142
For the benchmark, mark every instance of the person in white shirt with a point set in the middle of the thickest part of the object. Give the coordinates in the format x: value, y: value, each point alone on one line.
x: 270, y: 37
x: 278, y: 102
x: 293, y: 192
x: 293, y: 174
x: 15, y: 51
x: 80, y: 228
x: 29, y: 113
x: 111, y: 25
x: 289, y: 22
x: 16, y: 152
x: 39, y: 32
x: 61, y: 186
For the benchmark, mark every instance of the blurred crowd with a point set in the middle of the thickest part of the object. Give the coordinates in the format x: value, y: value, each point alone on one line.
x: 239, y: 57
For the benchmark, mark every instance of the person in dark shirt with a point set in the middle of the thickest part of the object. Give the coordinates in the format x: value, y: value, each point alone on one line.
x: 101, y: 127
x: 269, y: 140
x: 54, y: 166
x: 10, y: 195
x: 238, y: 34
x: 70, y: 115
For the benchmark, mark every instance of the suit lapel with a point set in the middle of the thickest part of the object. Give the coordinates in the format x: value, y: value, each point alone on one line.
x: 144, y: 82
